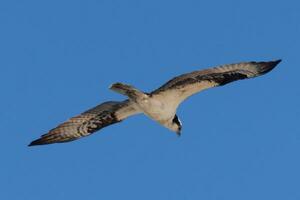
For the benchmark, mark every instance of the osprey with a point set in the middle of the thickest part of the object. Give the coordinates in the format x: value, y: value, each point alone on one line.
x: 160, y: 105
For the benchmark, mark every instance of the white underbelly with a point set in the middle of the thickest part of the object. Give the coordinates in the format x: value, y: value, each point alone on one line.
x: 157, y: 110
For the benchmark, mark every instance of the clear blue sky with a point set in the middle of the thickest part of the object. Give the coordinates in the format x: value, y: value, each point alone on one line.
x: 57, y: 59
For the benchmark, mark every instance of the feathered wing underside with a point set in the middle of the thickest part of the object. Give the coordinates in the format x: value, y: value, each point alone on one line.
x: 181, y: 87
x: 172, y: 94
x: 88, y: 122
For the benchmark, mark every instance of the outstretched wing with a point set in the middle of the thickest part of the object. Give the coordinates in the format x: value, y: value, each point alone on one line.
x: 181, y: 87
x: 88, y: 122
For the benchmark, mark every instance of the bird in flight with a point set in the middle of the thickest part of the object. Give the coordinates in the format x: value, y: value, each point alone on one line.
x: 160, y: 105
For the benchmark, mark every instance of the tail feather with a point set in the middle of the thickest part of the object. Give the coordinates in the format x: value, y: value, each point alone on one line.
x: 126, y: 90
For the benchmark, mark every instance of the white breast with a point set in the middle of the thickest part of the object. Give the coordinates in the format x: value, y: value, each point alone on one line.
x: 156, y: 109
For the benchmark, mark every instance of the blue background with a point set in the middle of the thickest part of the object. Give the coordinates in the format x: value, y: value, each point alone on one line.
x: 240, y: 141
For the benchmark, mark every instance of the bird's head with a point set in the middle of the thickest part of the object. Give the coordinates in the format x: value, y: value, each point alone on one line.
x: 175, y: 125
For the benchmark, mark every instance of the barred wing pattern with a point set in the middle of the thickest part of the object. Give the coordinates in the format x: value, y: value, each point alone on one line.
x: 181, y: 87
x: 88, y: 122
x: 170, y: 95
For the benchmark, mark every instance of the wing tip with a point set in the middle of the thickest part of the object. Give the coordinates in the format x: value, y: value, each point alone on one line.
x: 40, y: 141
x: 44, y: 139
x: 266, y: 67
x: 275, y: 62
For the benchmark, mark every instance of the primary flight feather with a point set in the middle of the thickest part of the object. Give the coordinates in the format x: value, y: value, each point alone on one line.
x: 160, y: 105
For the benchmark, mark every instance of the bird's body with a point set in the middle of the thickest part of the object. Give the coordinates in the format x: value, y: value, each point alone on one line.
x: 159, y: 109
x: 160, y: 105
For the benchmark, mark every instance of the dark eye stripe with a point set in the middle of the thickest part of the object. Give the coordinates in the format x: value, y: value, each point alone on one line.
x: 176, y: 121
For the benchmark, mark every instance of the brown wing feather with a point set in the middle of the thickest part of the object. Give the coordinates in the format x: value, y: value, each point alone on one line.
x: 88, y: 122
x: 186, y: 85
